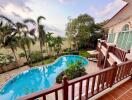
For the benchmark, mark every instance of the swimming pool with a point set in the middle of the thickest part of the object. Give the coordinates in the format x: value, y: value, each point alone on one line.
x: 37, y: 79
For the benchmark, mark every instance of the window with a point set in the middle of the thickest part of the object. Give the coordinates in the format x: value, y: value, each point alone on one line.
x: 125, y: 27
x: 111, y: 36
x: 124, y: 40
x: 129, y: 41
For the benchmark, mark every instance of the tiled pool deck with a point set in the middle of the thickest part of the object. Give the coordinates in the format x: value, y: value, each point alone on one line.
x: 123, y: 92
x: 92, y: 67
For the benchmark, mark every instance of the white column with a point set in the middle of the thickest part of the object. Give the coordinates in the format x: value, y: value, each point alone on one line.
x: 116, y: 37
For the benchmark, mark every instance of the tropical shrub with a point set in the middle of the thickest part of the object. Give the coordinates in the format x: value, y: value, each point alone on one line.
x: 22, y: 54
x: 5, y: 59
x: 74, y: 70
x: 71, y: 52
x: 84, y: 53
x: 67, y: 50
x: 36, y: 56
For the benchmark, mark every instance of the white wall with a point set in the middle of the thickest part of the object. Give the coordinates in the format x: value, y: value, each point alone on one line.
x: 118, y: 27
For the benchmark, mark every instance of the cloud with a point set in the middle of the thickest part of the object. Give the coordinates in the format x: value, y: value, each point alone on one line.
x: 56, y: 30
x: 65, y: 1
x: 18, y: 8
x: 16, y: 15
x: 110, y: 9
x: 61, y: 1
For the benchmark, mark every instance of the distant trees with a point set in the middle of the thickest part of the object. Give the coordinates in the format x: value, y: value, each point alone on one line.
x: 6, y: 35
x: 54, y: 42
x: 58, y: 44
x: 40, y: 30
x: 20, y: 35
x: 82, y: 29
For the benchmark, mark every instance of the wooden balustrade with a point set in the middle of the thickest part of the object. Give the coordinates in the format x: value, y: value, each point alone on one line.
x: 103, y: 61
x: 89, y: 85
x: 119, y: 53
x: 104, y: 44
x: 123, y: 71
x: 102, y: 53
x: 86, y: 86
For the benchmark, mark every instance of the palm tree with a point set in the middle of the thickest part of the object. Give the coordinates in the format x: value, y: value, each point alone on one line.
x: 40, y: 29
x: 6, y: 38
x: 50, y: 40
x: 11, y: 42
x: 24, y: 40
x: 58, y: 43
x: 25, y: 44
x: 11, y: 31
x: 8, y: 20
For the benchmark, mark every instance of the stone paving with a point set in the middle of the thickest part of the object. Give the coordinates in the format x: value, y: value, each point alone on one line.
x: 123, y: 92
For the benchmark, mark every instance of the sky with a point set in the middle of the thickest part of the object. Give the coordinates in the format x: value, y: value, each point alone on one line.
x: 57, y: 12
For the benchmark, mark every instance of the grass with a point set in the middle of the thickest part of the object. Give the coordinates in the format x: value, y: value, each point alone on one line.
x: 84, y: 53
x: 43, y: 62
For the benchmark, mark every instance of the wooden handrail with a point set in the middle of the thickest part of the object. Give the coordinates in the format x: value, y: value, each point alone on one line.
x: 89, y: 75
x: 124, y: 63
x: 89, y: 85
x: 65, y: 85
x: 41, y: 93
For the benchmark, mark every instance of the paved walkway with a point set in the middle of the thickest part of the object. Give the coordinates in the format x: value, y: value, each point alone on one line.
x: 123, y: 92
x: 92, y: 67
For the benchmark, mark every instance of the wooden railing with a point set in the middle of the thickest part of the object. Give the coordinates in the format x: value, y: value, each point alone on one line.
x: 119, y: 53
x: 123, y: 71
x: 101, y: 42
x: 102, y: 57
x: 86, y: 86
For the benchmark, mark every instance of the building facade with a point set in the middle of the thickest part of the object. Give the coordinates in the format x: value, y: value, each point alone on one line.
x: 120, y: 27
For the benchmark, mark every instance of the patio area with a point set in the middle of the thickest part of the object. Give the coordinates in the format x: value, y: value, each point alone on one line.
x: 123, y: 92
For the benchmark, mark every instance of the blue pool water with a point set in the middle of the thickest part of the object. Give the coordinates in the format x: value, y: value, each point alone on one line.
x: 37, y: 79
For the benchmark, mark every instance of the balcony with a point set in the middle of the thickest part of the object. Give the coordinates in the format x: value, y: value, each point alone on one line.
x: 116, y: 72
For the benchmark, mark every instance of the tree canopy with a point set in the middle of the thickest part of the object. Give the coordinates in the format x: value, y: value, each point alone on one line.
x: 80, y: 30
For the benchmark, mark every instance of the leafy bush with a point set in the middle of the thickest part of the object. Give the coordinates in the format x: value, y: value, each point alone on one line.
x: 75, y: 70
x: 71, y: 52
x: 22, y: 54
x: 84, y: 53
x: 36, y: 56
x: 67, y: 50
x: 5, y: 59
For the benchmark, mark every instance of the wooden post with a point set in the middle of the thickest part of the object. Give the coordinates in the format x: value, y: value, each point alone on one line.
x: 106, y: 56
x: 113, y: 75
x: 128, y: 51
x: 65, y: 88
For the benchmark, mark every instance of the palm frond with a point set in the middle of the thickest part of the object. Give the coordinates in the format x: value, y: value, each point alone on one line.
x: 32, y: 32
x: 40, y: 18
x: 1, y: 23
x: 7, y: 19
x: 30, y: 21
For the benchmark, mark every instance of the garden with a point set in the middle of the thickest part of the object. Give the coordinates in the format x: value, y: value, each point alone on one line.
x: 20, y: 38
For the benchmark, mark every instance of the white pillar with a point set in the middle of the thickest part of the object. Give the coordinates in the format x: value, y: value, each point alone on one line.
x: 116, y: 37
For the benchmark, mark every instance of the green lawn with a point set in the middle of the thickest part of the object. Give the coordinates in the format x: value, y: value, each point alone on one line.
x: 43, y: 62
x: 84, y: 53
